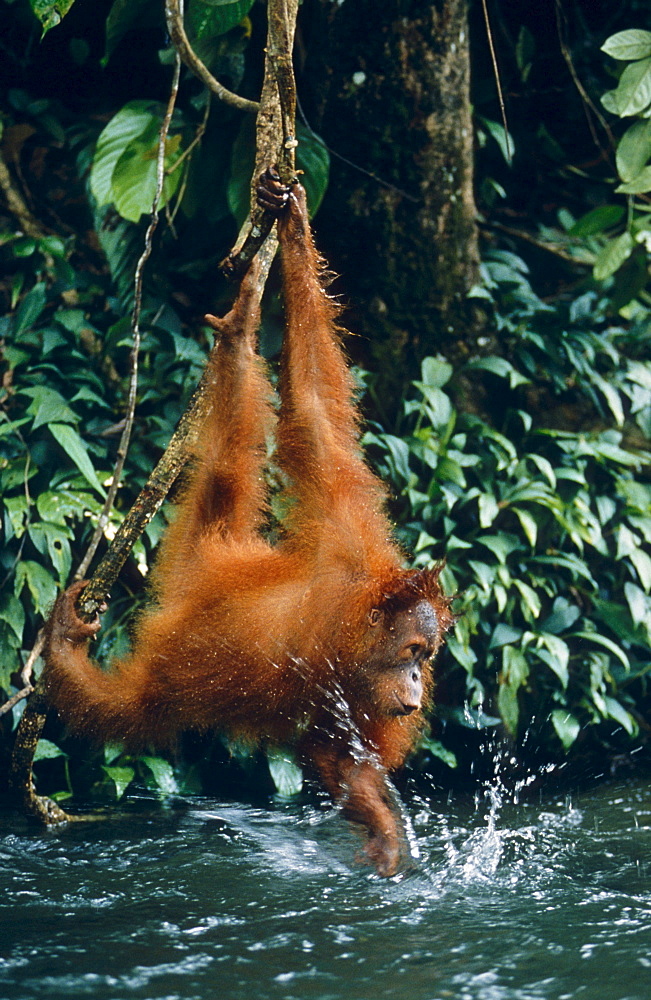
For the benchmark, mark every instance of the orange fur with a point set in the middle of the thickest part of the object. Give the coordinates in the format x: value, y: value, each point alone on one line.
x: 291, y: 643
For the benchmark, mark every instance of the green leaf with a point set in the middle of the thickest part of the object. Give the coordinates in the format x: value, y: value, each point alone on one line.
x: 530, y: 600
x: 577, y: 566
x: 563, y: 616
x: 437, y: 750
x: 639, y: 185
x: 612, y: 256
x: 612, y: 397
x: 313, y: 158
x: 41, y: 585
x: 617, y: 712
x: 58, y: 507
x: 128, y: 124
x: 54, y: 540
x: 50, y: 12
x: 633, y: 92
x: 13, y: 613
x: 75, y: 448
x: 630, y: 44
x: 515, y: 671
x: 435, y: 372
x: 598, y: 220
x: 163, y: 774
x: 208, y: 19
x: 642, y: 562
x: 503, y: 138
x: 611, y: 102
x: 501, y: 545
x: 47, y: 406
x: 639, y: 605
x: 286, y: 774
x: 617, y: 619
x: 398, y: 450
x: 30, y: 308
x: 554, y: 652
x: 462, y: 653
x: 606, y: 643
x: 488, y: 509
x: 529, y: 524
x: 135, y: 177
x: 17, y: 510
x: 439, y: 407
x: 121, y: 778
x: 45, y: 750
x: 566, y: 726
x: 627, y: 541
x: 634, y: 150
x: 504, y: 635
x: 500, y: 367
x: 468, y: 717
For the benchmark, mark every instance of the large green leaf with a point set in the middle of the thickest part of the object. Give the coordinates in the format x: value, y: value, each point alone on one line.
x: 634, y: 150
x: 163, y: 774
x: 628, y: 45
x: 633, y: 92
x: 135, y: 176
x: 128, y: 124
x: 47, y: 405
x: 210, y: 18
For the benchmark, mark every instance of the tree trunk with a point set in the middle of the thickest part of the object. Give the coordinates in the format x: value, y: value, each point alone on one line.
x: 386, y: 83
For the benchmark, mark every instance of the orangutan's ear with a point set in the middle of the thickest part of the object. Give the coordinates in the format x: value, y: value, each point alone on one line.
x: 375, y: 617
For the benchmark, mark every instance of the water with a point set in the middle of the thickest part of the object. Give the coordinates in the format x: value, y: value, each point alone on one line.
x: 549, y: 898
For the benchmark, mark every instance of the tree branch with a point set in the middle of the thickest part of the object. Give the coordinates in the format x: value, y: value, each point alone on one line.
x: 275, y: 127
x: 174, y: 19
x: 17, y: 205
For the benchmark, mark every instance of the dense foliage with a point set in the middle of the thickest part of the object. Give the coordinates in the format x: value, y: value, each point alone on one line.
x: 528, y: 469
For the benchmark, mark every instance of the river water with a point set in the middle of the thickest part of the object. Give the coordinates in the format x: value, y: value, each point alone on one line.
x: 546, y: 898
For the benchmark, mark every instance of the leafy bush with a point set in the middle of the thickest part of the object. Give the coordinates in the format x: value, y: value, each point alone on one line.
x: 545, y: 530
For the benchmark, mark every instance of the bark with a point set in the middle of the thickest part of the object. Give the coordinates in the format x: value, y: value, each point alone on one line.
x: 386, y: 83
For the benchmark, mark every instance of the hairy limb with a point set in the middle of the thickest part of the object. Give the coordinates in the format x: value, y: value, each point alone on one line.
x: 227, y: 494
x: 319, y: 423
x: 361, y: 789
x: 100, y: 707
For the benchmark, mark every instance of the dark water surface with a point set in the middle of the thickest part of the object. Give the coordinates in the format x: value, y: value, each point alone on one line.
x: 198, y: 900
